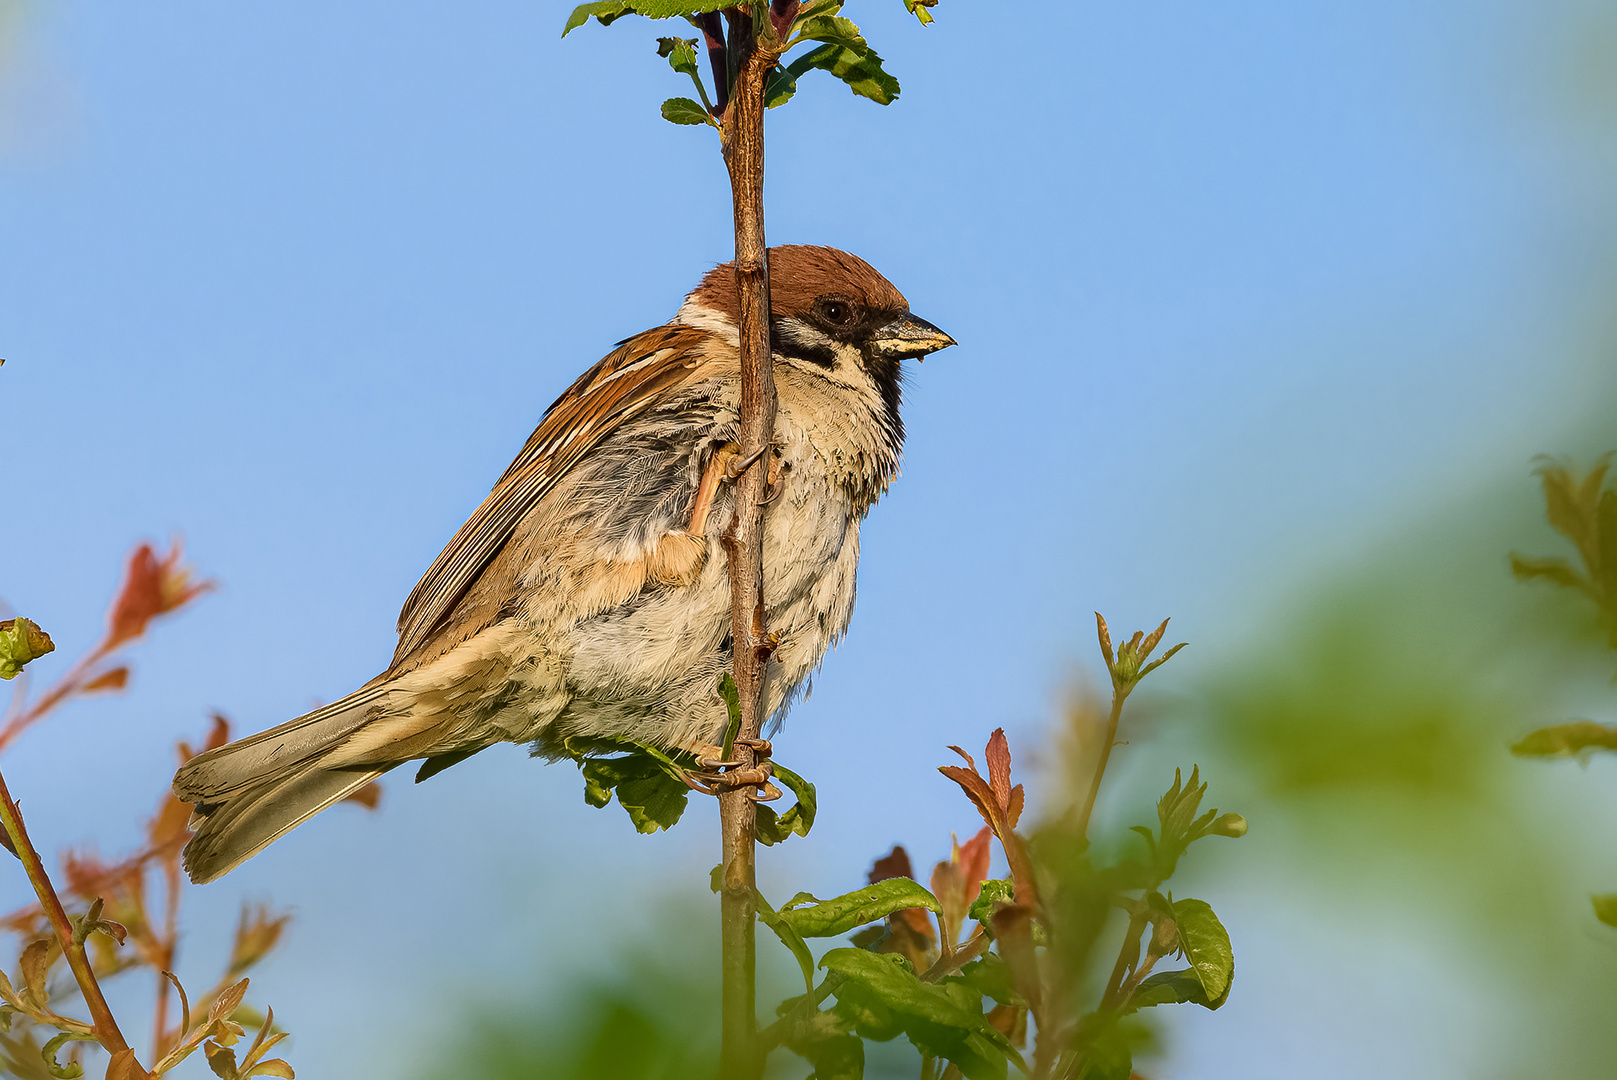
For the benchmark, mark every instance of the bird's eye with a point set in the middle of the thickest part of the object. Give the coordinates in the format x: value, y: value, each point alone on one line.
x: 836, y: 311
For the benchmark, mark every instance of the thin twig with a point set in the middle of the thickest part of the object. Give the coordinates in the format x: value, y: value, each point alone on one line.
x: 106, y: 1028
x: 65, y: 687
x: 743, y: 144
x: 974, y: 947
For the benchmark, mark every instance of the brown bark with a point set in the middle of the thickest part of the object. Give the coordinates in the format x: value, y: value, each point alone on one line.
x: 743, y: 141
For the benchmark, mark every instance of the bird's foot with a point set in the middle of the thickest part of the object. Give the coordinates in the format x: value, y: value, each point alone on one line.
x: 715, y: 775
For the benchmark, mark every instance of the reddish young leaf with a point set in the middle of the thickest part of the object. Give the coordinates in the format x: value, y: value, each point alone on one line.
x: 895, y: 863
x: 911, y: 927
x: 972, y: 858
x: 975, y: 787
x: 998, y: 758
x: 112, y: 679
x: 151, y: 587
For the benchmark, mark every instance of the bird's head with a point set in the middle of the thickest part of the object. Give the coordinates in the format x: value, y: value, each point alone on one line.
x: 828, y: 308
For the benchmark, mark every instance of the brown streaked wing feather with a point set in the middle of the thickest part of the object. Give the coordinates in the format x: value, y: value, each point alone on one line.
x: 626, y: 381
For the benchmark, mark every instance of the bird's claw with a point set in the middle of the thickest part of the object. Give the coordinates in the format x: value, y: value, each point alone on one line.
x: 715, y: 774
x: 738, y: 464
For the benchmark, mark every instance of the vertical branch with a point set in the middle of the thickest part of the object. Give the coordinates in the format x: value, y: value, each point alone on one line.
x: 106, y: 1028
x: 744, y: 156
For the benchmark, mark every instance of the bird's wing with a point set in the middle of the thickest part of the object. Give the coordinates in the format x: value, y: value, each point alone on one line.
x: 624, y: 383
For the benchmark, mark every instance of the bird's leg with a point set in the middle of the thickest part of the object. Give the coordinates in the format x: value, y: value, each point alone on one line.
x: 718, y: 468
x: 679, y: 556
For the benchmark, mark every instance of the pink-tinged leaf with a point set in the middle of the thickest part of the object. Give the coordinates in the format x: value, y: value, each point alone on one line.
x: 999, y: 768
x: 970, y: 761
x: 1014, y: 812
x: 972, y: 857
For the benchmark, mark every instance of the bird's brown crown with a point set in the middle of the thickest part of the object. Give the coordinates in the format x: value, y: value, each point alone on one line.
x: 800, y: 274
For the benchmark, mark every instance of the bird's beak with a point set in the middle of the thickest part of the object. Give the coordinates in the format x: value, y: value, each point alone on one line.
x: 908, y: 337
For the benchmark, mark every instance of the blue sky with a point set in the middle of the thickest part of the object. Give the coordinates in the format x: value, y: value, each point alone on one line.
x: 1241, y: 289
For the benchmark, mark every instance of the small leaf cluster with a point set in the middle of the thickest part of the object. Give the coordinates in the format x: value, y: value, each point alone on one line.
x: 1584, y: 510
x: 124, y: 913
x: 836, y: 45
x: 20, y: 642
x: 966, y: 969
x: 1178, y: 826
x: 653, y: 785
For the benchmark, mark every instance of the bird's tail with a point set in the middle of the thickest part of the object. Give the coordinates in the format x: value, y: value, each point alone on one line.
x: 251, y: 792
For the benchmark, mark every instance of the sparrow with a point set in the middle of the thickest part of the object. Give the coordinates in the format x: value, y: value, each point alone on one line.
x: 589, y: 594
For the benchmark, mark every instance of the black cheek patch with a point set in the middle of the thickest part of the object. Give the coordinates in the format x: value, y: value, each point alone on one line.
x: 821, y: 355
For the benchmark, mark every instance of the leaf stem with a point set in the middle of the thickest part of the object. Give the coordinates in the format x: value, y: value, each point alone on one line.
x: 1119, y: 695
x: 1128, y: 955
x: 974, y: 947
x: 106, y: 1028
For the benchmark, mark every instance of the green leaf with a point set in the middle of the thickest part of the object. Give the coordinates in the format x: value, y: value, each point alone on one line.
x: 860, y: 68
x: 1606, y: 908
x: 21, y: 642
x: 681, y: 53
x: 1171, y: 988
x: 789, y: 937
x: 1554, y: 570
x: 682, y: 110
x: 668, y: 9
x: 727, y: 685
x: 72, y: 1069
x: 772, y: 828
x: 896, y: 986
x: 883, y: 991
x: 823, y: 1039
x: 833, y: 29
x: 780, y: 87
x: 838, y: 915
x: 989, y: 977
x: 1206, y: 944
x: 993, y: 893
x: 919, y: 8
x: 1109, y: 1056
x: 1565, y: 740
x: 653, y: 799
x: 603, y: 10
